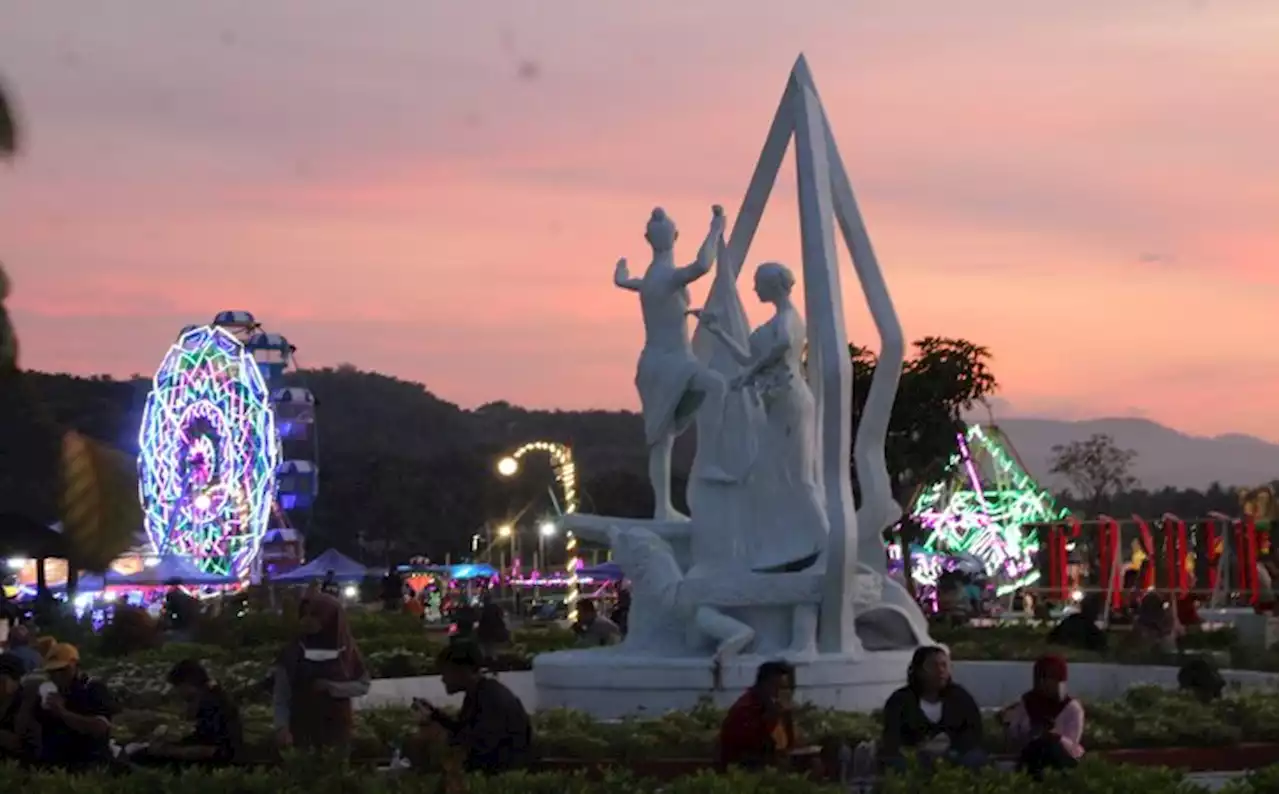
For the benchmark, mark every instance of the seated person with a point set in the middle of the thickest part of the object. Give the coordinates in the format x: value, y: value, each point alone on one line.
x: 492, y: 730
x: 218, y: 735
x: 1045, y: 725
x: 593, y: 629
x: 1080, y: 629
x: 758, y: 730
x: 73, y: 715
x: 931, y: 716
x: 1200, y: 677
x: 1155, y: 628
x: 16, y: 708
x: 21, y: 647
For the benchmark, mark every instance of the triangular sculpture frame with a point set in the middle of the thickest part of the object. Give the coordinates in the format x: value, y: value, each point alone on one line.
x: 962, y: 513
x: 825, y: 194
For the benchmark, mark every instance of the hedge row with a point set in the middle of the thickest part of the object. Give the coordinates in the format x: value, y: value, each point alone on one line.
x: 1090, y: 778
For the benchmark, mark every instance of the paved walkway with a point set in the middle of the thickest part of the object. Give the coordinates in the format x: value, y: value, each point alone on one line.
x: 1213, y: 780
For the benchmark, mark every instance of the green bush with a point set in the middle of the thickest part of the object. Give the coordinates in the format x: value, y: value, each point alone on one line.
x: 1091, y: 777
x: 1259, y: 781
x: 305, y: 776
x: 130, y: 630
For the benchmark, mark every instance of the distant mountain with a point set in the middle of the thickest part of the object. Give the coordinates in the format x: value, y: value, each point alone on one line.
x: 1166, y: 457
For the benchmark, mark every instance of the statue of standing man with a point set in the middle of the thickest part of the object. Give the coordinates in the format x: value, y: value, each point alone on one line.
x: 671, y: 382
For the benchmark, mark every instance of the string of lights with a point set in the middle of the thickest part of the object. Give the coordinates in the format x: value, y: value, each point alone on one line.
x: 965, y: 514
x: 566, y: 475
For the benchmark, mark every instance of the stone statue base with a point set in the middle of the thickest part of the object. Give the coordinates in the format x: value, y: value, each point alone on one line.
x: 611, y: 683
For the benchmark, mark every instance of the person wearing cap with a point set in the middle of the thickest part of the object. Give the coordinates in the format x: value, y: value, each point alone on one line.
x: 492, y: 730
x: 1045, y: 725
x: 75, y: 718
x: 16, y: 706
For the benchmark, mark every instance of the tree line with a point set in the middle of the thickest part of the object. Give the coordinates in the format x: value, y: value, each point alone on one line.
x: 405, y: 473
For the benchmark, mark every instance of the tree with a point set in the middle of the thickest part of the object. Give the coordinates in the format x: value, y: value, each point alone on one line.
x: 1096, y: 468
x: 944, y: 379
x: 8, y: 127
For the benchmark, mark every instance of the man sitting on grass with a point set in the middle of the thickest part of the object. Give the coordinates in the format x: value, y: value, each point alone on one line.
x: 218, y: 735
x: 74, y: 714
x: 16, y: 707
x: 492, y: 730
x: 758, y: 730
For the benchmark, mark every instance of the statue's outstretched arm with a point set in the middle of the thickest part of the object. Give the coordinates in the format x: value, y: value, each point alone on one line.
x: 622, y: 277
x: 707, y: 253
x: 767, y: 359
x: 740, y: 354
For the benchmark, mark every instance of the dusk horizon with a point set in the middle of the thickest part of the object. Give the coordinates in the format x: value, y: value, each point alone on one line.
x: 439, y: 194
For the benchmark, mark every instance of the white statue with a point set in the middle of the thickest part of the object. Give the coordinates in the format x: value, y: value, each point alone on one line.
x: 788, y: 517
x: 771, y: 561
x: 658, y: 583
x: 671, y: 382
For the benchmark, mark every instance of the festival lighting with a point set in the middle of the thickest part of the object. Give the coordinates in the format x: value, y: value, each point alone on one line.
x: 965, y: 515
x: 567, y: 476
x: 209, y: 451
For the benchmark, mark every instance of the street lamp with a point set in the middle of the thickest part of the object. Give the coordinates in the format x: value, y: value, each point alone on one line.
x: 505, y: 531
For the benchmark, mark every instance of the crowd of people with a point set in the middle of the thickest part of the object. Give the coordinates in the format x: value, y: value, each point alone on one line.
x: 52, y: 714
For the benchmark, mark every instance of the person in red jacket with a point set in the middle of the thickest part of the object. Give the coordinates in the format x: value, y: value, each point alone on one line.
x: 758, y: 730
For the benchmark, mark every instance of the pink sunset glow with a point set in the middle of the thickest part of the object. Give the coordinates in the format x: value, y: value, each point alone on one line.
x: 439, y: 190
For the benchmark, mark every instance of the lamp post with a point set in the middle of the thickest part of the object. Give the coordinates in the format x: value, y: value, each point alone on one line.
x: 567, y: 476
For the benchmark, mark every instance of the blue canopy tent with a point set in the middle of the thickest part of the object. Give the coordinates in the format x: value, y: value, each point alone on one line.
x: 344, y: 569
x: 89, y: 583
x: 460, y: 572
x: 171, y: 569
x: 604, y: 571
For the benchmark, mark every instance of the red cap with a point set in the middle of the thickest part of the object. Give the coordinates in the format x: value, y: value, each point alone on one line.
x: 1051, y: 667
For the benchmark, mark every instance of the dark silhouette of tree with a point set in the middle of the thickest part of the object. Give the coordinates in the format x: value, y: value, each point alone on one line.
x: 1095, y: 467
x: 945, y: 378
x: 9, y: 138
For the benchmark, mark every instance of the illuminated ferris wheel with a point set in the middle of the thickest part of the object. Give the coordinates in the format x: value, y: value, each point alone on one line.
x: 221, y: 407
x: 208, y: 453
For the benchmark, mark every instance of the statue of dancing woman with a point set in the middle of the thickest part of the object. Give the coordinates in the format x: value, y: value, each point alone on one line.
x: 790, y: 522
x: 671, y: 382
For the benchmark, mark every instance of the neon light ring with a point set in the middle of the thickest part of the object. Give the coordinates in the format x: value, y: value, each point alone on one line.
x: 209, y: 451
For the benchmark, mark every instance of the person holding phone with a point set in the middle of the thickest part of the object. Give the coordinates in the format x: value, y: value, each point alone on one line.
x: 492, y: 730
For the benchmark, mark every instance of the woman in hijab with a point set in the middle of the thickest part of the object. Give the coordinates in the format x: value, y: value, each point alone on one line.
x: 1046, y: 724
x: 316, y: 678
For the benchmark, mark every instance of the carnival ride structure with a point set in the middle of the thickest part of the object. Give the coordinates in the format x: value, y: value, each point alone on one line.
x: 977, y: 510
x: 228, y: 449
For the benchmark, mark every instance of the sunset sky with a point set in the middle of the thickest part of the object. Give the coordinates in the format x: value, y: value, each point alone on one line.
x: 439, y: 190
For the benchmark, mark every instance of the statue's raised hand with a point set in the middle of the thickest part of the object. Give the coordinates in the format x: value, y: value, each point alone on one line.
x: 717, y: 218
x: 620, y: 272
